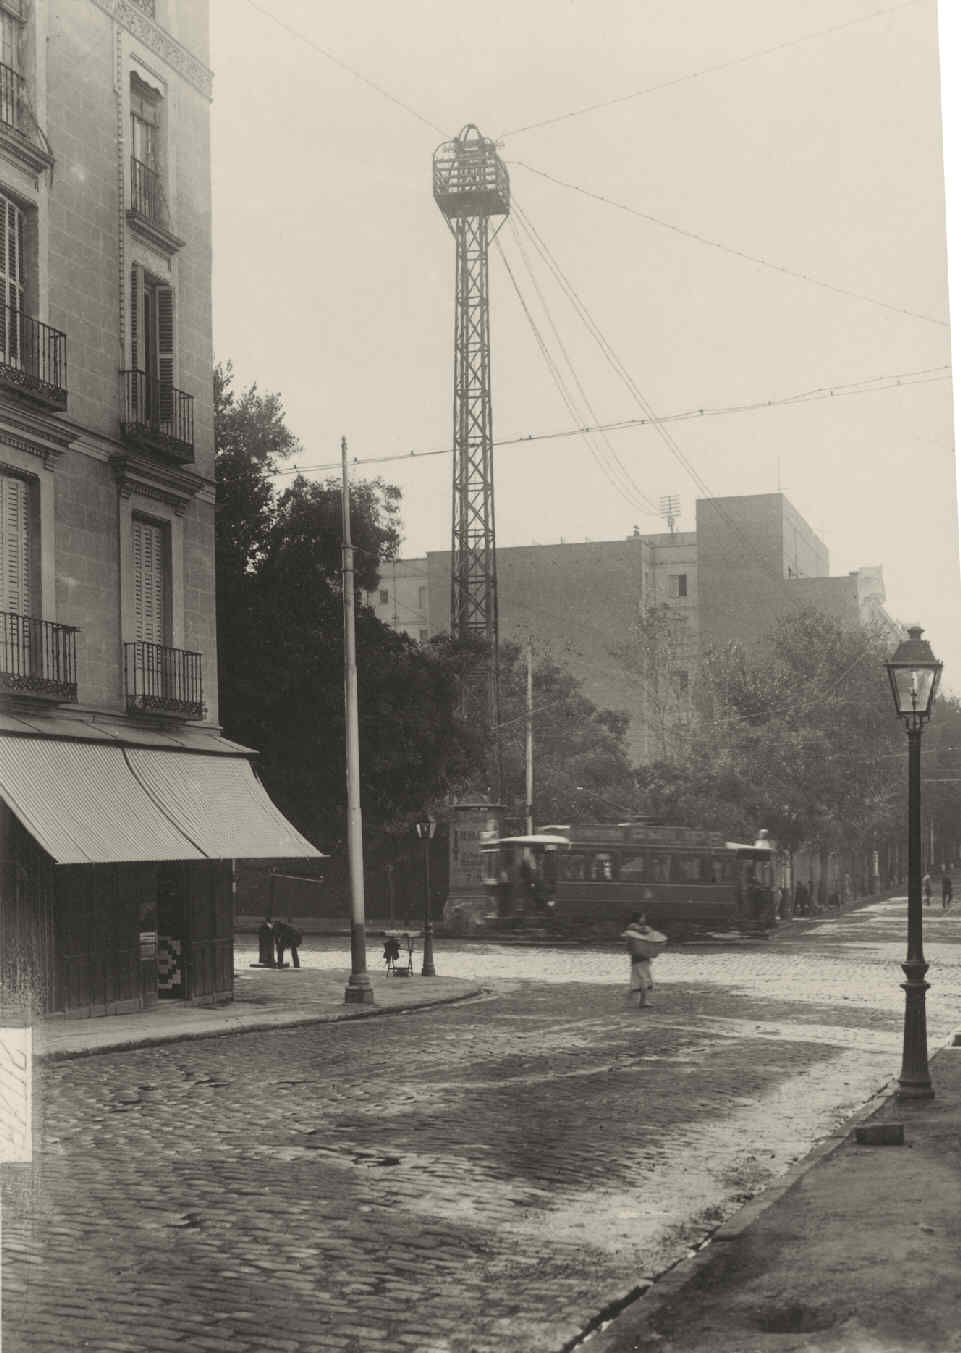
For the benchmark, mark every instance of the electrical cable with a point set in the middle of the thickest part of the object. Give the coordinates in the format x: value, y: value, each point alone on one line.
x: 351, y: 70
x: 555, y: 372
x: 633, y: 489
x: 871, y: 385
x: 729, y: 249
x: 706, y: 70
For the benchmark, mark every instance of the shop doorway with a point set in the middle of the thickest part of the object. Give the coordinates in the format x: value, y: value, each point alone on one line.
x: 172, y: 933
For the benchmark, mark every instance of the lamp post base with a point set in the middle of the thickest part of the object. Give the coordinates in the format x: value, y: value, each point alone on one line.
x: 427, y: 969
x: 915, y: 1079
x: 359, y: 991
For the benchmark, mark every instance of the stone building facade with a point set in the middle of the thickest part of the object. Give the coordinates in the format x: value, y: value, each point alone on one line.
x: 631, y: 618
x: 121, y: 806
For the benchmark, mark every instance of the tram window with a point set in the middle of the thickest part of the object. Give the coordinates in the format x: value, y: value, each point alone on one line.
x: 602, y: 868
x: 635, y: 869
x: 571, y: 868
x: 687, y: 869
x: 722, y: 869
x: 660, y: 868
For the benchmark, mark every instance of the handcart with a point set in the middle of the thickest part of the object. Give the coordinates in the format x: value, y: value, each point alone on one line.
x: 399, y: 952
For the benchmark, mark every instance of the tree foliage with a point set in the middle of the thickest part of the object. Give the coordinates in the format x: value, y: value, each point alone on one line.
x: 281, y: 637
x: 581, y: 767
x: 798, y: 736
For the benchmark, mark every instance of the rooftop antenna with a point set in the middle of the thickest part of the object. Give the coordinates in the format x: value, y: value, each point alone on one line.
x: 670, y: 509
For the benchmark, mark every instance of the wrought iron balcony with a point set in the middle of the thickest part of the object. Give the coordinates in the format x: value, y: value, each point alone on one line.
x: 146, y: 193
x: 11, y: 96
x: 148, y: 213
x: 37, y: 657
x: 33, y: 358
x: 157, y: 416
x: 165, y: 681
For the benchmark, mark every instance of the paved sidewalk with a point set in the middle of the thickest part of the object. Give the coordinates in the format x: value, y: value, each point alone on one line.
x: 856, y: 1250
x: 265, y: 999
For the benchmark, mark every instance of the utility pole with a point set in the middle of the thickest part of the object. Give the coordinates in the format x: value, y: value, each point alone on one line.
x: 359, y: 990
x: 530, y: 739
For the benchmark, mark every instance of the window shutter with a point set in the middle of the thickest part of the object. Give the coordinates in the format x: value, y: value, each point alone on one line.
x: 149, y: 561
x: 137, y: 355
x: 165, y: 351
x: 14, y: 546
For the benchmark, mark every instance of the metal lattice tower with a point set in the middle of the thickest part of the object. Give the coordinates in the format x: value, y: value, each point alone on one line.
x: 470, y: 186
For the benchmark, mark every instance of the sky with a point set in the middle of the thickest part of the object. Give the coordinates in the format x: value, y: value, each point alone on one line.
x: 774, y: 224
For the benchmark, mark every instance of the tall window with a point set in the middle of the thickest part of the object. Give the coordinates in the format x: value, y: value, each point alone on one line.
x: 15, y: 545
x: 152, y: 340
x: 10, y: 30
x: 145, y: 149
x: 678, y: 584
x: 11, y: 281
x: 151, y: 581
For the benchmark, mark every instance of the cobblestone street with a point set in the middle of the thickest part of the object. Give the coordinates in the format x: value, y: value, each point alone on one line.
x: 484, y: 1176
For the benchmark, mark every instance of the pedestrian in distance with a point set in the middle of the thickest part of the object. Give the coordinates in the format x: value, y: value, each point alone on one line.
x: 286, y: 937
x: 643, y: 945
x: 946, y: 898
x: 265, y: 940
x: 926, y: 889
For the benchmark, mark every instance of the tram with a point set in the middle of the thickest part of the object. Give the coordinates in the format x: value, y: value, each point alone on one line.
x: 588, y: 880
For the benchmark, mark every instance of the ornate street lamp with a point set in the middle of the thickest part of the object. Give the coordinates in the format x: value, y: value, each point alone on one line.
x: 425, y: 830
x: 914, y: 673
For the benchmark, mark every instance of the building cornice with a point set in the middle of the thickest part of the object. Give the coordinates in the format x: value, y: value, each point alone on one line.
x: 137, y: 475
x: 138, y: 23
x: 47, y: 441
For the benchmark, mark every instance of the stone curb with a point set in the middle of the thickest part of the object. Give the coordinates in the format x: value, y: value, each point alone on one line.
x: 667, y: 1285
x: 255, y: 1026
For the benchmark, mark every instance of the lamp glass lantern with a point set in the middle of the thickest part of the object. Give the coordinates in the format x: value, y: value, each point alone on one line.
x: 426, y: 828
x: 915, y: 675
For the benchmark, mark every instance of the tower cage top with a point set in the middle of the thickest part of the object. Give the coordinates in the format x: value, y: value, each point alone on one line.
x: 470, y: 178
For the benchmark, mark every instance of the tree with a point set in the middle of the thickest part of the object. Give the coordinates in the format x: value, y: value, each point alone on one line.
x: 280, y: 627
x: 581, y: 768
x: 797, y: 736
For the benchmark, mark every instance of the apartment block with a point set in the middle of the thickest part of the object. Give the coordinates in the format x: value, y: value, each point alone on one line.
x: 121, y: 805
x: 631, y: 618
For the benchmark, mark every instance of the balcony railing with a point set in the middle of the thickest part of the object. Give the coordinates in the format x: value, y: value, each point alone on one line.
x: 157, y: 416
x: 33, y: 357
x: 11, y: 93
x: 146, y: 196
x: 37, y: 657
x: 166, y: 681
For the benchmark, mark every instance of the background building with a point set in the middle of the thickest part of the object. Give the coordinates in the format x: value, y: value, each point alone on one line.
x: 120, y: 805
x: 631, y: 618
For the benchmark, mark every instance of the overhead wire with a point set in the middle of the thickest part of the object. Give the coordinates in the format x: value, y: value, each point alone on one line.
x: 344, y: 65
x: 634, y: 491
x: 618, y: 476
x: 868, y: 386
x: 730, y: 249
x: 705, y: 70
x: 622, y: 371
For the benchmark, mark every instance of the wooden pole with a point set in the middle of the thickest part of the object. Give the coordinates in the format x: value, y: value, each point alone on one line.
x: 359, y: 990
x: 530, y: 739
